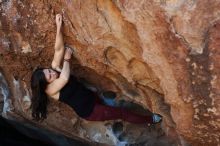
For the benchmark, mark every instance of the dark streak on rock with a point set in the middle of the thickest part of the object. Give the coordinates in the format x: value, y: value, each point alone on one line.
x: 201, y: 77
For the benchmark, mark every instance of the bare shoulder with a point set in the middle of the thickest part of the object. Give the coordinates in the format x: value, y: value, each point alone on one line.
x: 53, y: 89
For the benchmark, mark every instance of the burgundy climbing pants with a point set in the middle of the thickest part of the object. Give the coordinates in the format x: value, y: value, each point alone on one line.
x: 103, y: 112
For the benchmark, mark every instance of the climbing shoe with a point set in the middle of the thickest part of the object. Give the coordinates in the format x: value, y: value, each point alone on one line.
x: 109, y: 94
x: 108, y: 97
x: 156, y: 118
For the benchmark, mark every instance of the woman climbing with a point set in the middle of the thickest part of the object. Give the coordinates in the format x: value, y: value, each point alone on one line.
x: 58, y: 84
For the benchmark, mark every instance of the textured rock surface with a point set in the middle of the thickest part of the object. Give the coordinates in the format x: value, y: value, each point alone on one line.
x: 161, y: 54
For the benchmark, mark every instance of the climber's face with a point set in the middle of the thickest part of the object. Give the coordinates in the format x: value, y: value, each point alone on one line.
x: 50, y: 75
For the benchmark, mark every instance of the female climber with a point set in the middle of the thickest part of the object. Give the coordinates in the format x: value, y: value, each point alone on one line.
x: 58, y: 84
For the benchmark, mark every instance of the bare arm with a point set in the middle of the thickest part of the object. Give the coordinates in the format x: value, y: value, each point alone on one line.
x: 55, y: 87
x: 59, y: 45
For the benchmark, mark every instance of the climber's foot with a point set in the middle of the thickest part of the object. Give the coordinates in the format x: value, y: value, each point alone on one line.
x: 108, y: 94
x: 156, y: 118
x: 108, y: 98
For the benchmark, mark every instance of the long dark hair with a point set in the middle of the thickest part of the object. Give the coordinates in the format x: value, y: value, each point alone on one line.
x: 39, y: 98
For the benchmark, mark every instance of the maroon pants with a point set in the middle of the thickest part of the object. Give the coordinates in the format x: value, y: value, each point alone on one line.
x: 103, y: 112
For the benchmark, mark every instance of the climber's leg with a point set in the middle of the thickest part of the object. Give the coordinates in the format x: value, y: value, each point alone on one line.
x: 107, y: 97
x: 102, y: 113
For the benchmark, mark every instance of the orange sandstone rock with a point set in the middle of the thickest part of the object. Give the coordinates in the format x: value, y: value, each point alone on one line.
x: 161, y: 54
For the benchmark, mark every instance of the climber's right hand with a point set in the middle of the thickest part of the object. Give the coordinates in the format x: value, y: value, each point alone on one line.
x: 58, y: 20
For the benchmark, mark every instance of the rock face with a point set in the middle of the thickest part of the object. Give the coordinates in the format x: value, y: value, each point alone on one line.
x: 160, y: 54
